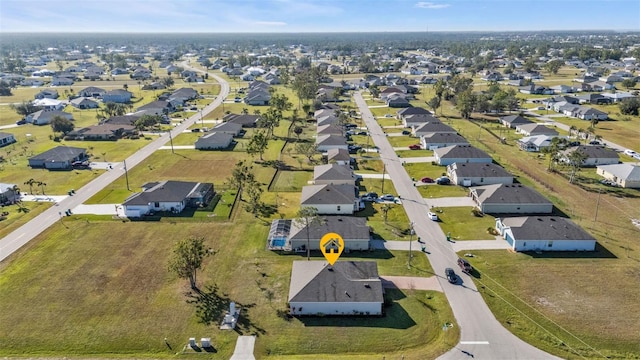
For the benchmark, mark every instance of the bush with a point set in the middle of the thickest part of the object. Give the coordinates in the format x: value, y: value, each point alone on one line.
x: 477, y: 213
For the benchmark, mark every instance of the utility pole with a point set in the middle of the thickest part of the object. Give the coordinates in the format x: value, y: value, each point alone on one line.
x: 171, y: 141
x: 410, y: 241
x: 126, y: 173
x: 595, y: 217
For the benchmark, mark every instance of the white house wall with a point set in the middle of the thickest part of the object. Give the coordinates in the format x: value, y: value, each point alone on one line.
x: 335, y: 308
x: 326, y: 209
x: 314, y: 244
x: 479, y: 181
x: 555, y: 245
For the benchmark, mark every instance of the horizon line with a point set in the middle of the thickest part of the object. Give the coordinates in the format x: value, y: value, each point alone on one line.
x: 318, y: 32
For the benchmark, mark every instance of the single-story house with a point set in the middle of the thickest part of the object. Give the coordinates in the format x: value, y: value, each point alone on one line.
x: 47, y: 94
x: 8, y: 195
x: 84, y: 103
x: 339, y: 156
x: 535, y: 129
x: 61, y: 81
x: 333, y: 174
x: 168, y: 195
x: 327, y: 142
x: 512, y: 121
x: 624, y: 175
x: 43, y: 117
x: 102, y: 132
x: 292, y: 234
x: 544, y: 233
x: 397, y: 101
x: 326, y: 120
x: 49, y: 104
x: 6, y: 139
x: 119, y: 96
x: 213, y: 141
x: 158, y: 107
x: 595, y: 155
x: 425, y: 129
x: 245, y: 120
x: 331, y: 199
x: 410, y: 121
x: 535, y: 143
x: 439, y: 140
x: 476, y: 174
x: 58, y: 158
x: 344, y: 288
x: 257, y: 97
x: 461, y: 154
x: 401, y: 114
x: 510, y: 199
x: 231, y: 128
x: 330, y: 129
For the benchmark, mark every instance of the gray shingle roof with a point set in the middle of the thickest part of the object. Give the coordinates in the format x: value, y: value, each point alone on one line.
x: 508, y: 194
x: 60, y: 153
x: 437, y: 138
x: 479, y: 170
x: 348, y: 227
x: 545, y: 228
x: 461, y: 152
x: 345, y: 281
x: 333, y: 172
x: 165, y: 191
x: 328, y: 194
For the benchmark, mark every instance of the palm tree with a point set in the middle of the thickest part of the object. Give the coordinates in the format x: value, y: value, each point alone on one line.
x: 42, y: 185
x: 30, y: 182
x: 572, y: 129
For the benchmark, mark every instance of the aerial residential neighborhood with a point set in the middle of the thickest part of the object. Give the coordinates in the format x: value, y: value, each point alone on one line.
x: 274, y: 188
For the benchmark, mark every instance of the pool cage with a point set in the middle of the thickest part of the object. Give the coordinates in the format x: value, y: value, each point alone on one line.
x: 278, y: 235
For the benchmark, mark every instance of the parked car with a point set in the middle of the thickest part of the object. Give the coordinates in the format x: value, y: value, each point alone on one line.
x: 464, y: 265
x: 350, y: 126
x: 21, y: 122
x: 451, y: 275
x: 406, y: 132
x: 195, y: 130
x: 237, y: 100
x: 427, y: 180
x: 433, y: 216
x: 608, y: 182
x: 387, y: 197
x: 414, y: 147
x: 362, y: 133
x: 574, y: 143
x: 370, y: 196
x: 594, y: 142
x: 629, y: 152
x: 388, y: 115
x: 443, y: 180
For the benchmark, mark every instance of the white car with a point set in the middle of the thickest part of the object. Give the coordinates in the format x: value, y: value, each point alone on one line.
x: 630, y: 152
x: 433, y: 216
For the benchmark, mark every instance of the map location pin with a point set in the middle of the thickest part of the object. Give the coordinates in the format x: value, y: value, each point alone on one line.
x: 331, y: 246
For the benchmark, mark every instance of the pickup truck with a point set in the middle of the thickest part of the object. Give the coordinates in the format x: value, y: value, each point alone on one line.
x: 465, y: 266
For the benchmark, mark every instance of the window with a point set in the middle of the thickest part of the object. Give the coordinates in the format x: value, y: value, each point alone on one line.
x: 338, y: 207
x: 550, y: 244
x: 157, y: 204
x: 481, y: 180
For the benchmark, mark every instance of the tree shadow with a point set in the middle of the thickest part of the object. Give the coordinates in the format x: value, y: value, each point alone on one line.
x: 211, y: 307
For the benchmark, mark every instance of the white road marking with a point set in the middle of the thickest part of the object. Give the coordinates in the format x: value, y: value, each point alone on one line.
x: 474, y: 342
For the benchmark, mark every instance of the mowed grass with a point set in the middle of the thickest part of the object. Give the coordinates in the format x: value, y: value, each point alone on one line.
x: 17, y: 218
x: 119, y: 299
x: 580, y: 282
x: 463, y: 225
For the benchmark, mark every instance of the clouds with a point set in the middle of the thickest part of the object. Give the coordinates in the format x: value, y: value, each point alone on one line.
x: 431, y: 6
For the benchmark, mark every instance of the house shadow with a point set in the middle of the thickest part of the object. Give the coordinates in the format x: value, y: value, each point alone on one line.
x: 350, y: 255
x: 600, y: 253
x: 211, y: 306
x: 395, y: 316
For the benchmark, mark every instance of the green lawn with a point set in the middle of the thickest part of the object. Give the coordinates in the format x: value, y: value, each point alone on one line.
x: 396, y: 226
x: 424, y: 169
x: 463, y: 224
x: 291, y: 181
x: 367, y: 165
x: 437, y: 191
x: 126, y: 298
x: 376, y: 185
x: 402, y: 141
x: 414, y: 153
x: 389, y: 122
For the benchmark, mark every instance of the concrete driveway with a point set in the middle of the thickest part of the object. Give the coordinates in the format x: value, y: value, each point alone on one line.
x: 411, y: 282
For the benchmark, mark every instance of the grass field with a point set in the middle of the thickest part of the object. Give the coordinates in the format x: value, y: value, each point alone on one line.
x: 118, y: 298
x: 463, y: 225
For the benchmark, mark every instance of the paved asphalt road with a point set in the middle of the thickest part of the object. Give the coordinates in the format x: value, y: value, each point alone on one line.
x: 12, y: 242
x: 482, y: 336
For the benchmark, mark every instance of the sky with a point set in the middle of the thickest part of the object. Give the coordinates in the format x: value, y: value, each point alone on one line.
x: 230, y: 16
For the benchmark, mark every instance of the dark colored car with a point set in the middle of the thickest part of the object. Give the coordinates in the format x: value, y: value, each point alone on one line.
x: 350, y: 126
x: 362, y: 133
x: 427, y: 180
x: 451, y: 275
x: 406, y: 132
x: 464, y: 265
x: 443, y: 181
x: 21, y: 122
x: 414, y: 147
x: 195, y: 130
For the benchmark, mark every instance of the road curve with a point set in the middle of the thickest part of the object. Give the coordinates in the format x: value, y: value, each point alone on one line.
x: 481, y: 335
x: 15, y: 240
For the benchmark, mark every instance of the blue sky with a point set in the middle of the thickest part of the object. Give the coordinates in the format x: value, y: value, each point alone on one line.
x: 315, y: 16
